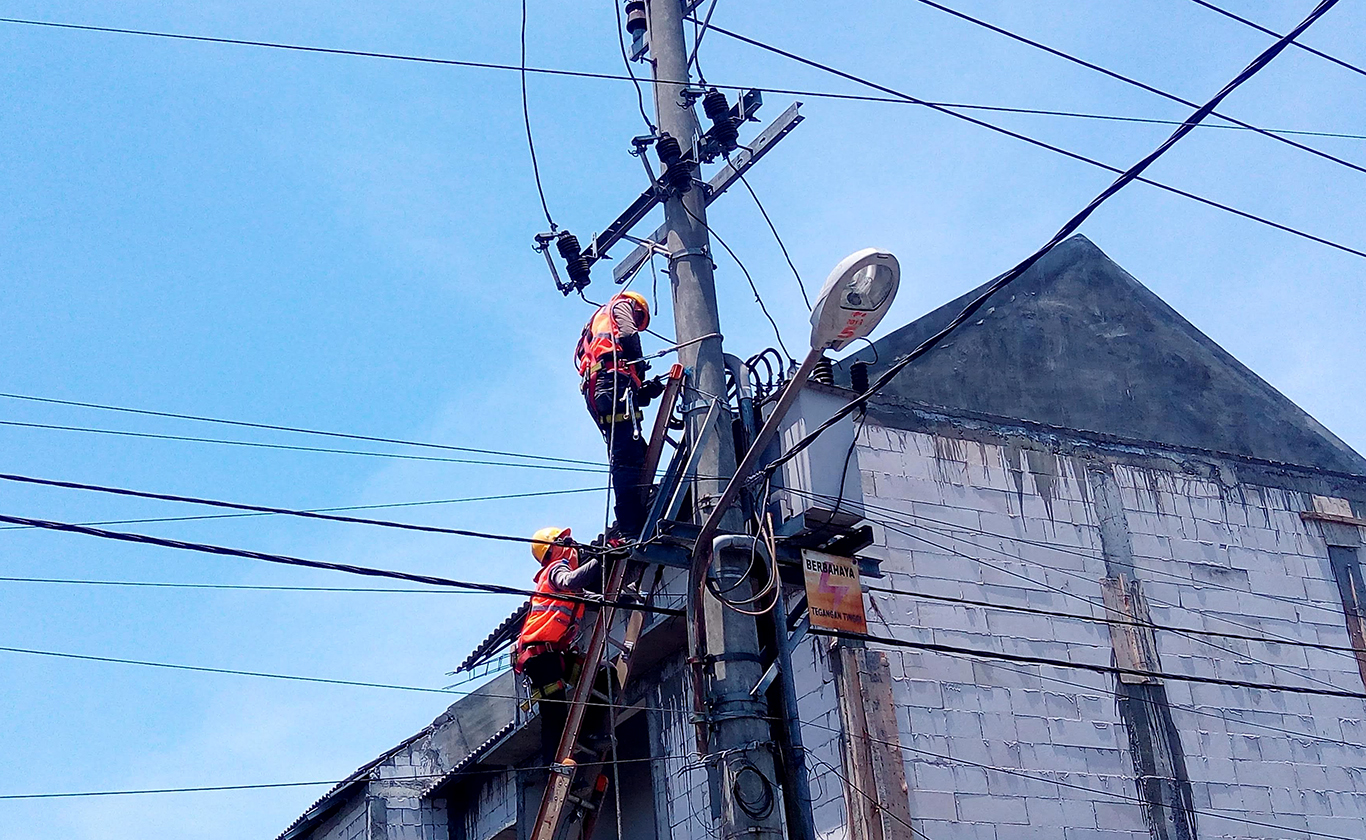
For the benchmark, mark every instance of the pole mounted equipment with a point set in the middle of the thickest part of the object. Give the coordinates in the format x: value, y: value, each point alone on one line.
x: 724, y: 128
x: 678, y: 168
x: 635, y: 18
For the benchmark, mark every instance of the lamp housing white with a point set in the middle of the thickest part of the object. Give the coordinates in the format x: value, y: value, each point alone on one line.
x: 854, y: 299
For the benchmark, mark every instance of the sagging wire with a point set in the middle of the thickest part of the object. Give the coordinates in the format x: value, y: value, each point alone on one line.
x: 772, y: 589
x: 530, y: 143
x: 700, y: 32
x: 781, y: 246
x: 774, y: 372
x: 640, y: 92
x: 848, y: 456
x: 754, y: 288
x: 856, y: 789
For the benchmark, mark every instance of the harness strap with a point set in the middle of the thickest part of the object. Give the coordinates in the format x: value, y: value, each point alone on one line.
x: 559, y: 608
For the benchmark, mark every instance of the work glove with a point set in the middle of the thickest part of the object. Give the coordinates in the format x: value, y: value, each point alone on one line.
x: 651, y: 389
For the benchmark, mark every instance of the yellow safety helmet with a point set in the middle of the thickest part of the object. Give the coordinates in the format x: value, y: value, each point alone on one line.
x: 544, y: 538
x: 640, y: 302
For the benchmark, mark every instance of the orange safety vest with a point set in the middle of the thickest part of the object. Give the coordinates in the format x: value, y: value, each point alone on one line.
x: 552, y: 622
x: 600, y: 347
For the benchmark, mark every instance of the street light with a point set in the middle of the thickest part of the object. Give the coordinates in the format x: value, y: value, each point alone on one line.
x: 855, y: 297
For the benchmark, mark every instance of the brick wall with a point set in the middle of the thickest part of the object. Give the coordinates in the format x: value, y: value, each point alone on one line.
x: 1000, y: 750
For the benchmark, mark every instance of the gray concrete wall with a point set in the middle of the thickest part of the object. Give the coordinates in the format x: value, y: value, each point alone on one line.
x: 391, y: 804
x: 997, y: 750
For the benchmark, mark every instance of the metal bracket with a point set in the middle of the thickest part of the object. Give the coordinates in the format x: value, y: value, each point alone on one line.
x: 722, y: 180
x: 689, y: 252
x: 543, y: 241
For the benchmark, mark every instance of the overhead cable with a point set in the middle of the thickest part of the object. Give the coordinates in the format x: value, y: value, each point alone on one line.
x: 237, y: 672
x: 275, y: 427
x: 236, y: 586
x: 278, y: 511
x: 1321, y: 54
x: 503, y: 496
x: 878, y: 805
x: 949, y: 110
x: 1194, y: 635
x: 970, y: 602
x: 582, y: 74
x: 295, y: 448
x: 329, y: 782
x: 1128, y: 80
x: 1069, y: 227
x: 282, y: 559
x: 1218, y: 713
x: 530, y: 143
x: 1216, y: 813
x: 1116, y: 670
x: 752, y: 287
x: 781, y: 246
x: 1274, y: 666
x: 918, y: 520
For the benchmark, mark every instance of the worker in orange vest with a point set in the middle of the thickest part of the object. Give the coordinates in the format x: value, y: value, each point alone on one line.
x: 546, y: 655
x: 608, y: 357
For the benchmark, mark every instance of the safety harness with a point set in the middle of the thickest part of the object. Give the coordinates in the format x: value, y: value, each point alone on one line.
x: 600, y: 349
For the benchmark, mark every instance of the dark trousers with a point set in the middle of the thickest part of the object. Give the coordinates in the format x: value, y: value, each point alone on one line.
x: 546, y: 668
x: 542, y: 670
x: 614, y: 395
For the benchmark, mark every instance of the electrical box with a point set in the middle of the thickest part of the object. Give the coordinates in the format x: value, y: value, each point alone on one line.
x: 822, y: 483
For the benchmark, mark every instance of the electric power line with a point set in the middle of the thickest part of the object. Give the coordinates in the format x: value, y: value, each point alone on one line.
x: 1195, y: 635
x: 215, y: 788
x: 237, y: 672
x: 1268, y: 639
x: 262, y: 509
x: 919, y: 519
x: 1217, y: 813
x: 327, y: 510
x: 366, y: 571
x: 753, y: 288
x: 1125, y: 178
x: 1226, y: 13
x: 236, y: 586
x: 970, y: 602
x: 948, y: 110
x: 1128, y: 80
x: 530, y: 143
x: 1274, y: 666
x: 296, y: 448
x: 1028, y: 659
x: 781, y: 246
x: 1220, y: 712
x: 295, y: 429
x: 583, y: 74
x: 853, y: 787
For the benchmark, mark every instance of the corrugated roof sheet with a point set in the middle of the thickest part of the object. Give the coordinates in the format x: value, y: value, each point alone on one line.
x: 505, y: 632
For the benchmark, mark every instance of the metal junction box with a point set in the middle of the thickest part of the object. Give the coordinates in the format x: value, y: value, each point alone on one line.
x: 825, y: 475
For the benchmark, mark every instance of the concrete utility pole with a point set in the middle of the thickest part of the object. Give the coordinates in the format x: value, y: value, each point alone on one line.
x: 749, y: 804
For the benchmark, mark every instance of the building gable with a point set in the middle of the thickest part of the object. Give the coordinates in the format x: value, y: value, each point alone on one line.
x: 1078, y: 343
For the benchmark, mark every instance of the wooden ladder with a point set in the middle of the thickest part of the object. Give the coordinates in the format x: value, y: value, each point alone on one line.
x: 567, y: 770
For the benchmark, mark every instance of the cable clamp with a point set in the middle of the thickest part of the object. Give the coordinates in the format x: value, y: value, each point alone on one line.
x: 701, y: 251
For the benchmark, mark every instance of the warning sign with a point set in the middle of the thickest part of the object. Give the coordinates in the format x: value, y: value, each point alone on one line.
x: 834, y: 593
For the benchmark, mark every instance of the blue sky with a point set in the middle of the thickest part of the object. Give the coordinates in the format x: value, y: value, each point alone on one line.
x: 343, y: 243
